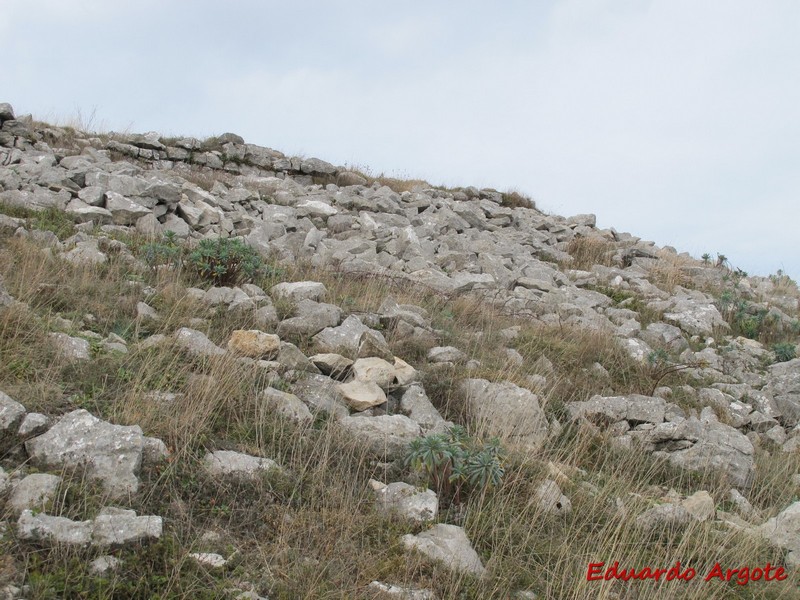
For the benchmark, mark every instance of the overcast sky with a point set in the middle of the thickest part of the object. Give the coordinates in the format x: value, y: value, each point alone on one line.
x: 675, y: 120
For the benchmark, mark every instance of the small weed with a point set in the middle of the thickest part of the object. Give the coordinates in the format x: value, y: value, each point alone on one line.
x: 784, y: 351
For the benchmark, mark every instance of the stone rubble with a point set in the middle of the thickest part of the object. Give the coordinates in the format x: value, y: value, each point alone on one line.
x: 467, y: 242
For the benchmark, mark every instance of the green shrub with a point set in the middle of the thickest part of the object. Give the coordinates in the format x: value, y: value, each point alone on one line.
x: 166, y: 252
x: 784, y: 351
x: 454, y: 463
x: 225, y: 261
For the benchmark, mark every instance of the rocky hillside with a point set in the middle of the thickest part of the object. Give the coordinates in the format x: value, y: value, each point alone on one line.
x: 230, y: 373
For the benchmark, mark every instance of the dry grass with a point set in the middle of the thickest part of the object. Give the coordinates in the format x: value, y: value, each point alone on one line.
x: 589, y: 251
x: 668, y: 272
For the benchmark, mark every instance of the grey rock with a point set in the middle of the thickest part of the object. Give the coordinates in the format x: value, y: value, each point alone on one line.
x: 110, y: 453
x: 210, y: 560
x: 54, y: 530
x: 154, y: 450
x: 196, y: 343
x: 783, y: 530
x: 701, y: 445
x: 342, y: 339
x: 85, y: 253
x: 663, y: 516
x: 604, y: 410
x: 333, y: 365
x: 661, y: 335
x: 116, y: 527
x: 34, y: 492
x: 695, y: 317
x: 406, y: 500
x: 401, y: 593
x: 418, y: 407
x: 124, y: 211
x: 291, y: 358
x: 104, y: 565
x: 442, y: 354
x: 506, y: 411
x: 11, y: 415
x: 310, y: 318
x: 299, y: 290
x: 6, y: 112
x: 783, y: 385
x: 287, y: 405
x: 551, y: 500
x: 226, y: 463
x: 449, y: 544
x: 319, y: 393
x: 386, y: 436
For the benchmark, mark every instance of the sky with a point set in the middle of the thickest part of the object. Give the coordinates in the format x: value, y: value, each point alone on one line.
x: 675, y: 120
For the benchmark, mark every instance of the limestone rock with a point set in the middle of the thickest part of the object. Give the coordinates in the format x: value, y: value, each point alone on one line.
x: 320, y: 393
x: 110, y: 453
x: 442, y: 354
x: 344, y: 338
x: 310, y: 318
x: 226, y: 463
x: 374, y: 370
x: 700, y: 505
x: 361, y: 395
x: 400, y: 593
x: 299, y: 290
x: 58, y: 530
x: 11, y: 415
x: 663, y: 516
x: 699, y: 445
x: 34, y: 492
x: 783, y: 384
x: 604, y: 410
x: 551, y: 500
x: 71, y: 349
x: 333, y: 365
x: 196, y: 343
x: 783, y: 530
x: 506, y: 411
x: 288, y: 405
x: 385, y: 435
x: 406, y: 500
x: 118, y: 527
x: 416, y: 404
x: 254, y: 343
x: 449, y: 544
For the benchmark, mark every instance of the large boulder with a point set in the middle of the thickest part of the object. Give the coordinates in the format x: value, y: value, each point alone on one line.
x: 605, y: 410
x: 703, y: 445
x: 783, y: 384
x: 506, y: 411
x: 783, y: 530
x: 309, y: 319
x: 385, y: 436
x: 110, y: 453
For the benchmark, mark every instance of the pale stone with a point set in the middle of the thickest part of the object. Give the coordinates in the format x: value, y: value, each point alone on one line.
x: 254, y: 343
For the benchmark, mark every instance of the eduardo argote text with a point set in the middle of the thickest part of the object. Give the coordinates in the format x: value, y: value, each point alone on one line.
x: 741, y: 575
